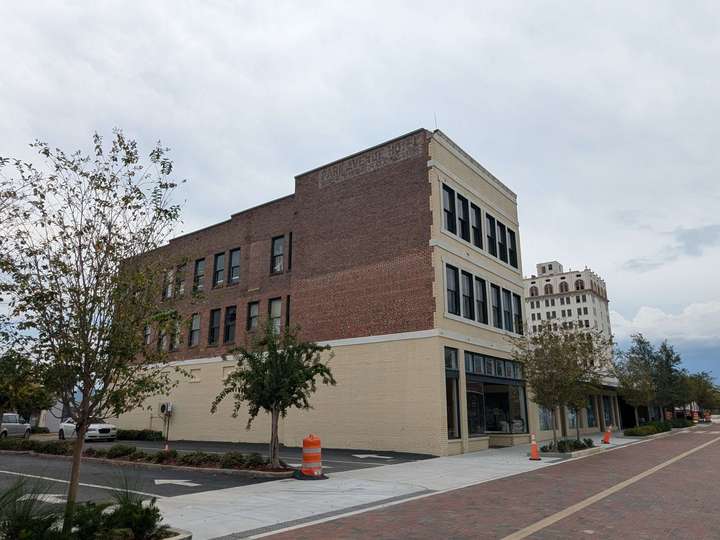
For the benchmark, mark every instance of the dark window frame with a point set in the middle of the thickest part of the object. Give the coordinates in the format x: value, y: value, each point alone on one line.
x: 518, y: 314
x: 218, y: 277
x: 463, y: 217
x: 467, y: 295
x: 449, y: 211
x: 507, y: 310
x: 271, y: 318
x: 199, y: 275
x: 476, y: 225
x: 252, y: 320
x: 194, y: 333
x: 214, y: 323
x: 453, y: 295
x: 234, y: 269
x: 512, y: 248
x: 496, y: 306
x: 229, y: 326
x: 491, y: 226
x: 277, y: 259
x: 502, y: 242
x: 481, y: 300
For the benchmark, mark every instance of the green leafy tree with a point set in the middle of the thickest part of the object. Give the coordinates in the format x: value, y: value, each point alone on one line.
x: 703, y: 391
x: 668, y: 377
x: 562, y: 367
x: 76, y: 280
x: 277, y: 372
x: 634, y: 372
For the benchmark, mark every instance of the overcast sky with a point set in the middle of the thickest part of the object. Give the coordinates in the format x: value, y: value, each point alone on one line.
x: 601, y: 116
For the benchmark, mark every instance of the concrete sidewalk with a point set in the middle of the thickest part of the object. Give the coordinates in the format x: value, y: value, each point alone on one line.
x: 253, y: 510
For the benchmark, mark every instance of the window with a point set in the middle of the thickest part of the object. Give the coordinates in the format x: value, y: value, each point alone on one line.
x: 287, y: 310
x: 275, y: 312
x: 453, y: 295
x: 590, y: 410
x: 253, y: 313
x: 584, y: 297
x: 468, y: 296
x: 564, y: 286
x: 194, y: 333
x: 234, y: 275
x: 577, y: 299
x: 585, y: 310
x: 276, y: 255
x: 219, y: 270
x: 512, y: 248
x: 476, y: 226
x: 502, y: 242
x: 290, y: 242
x: 572, y: 417
x: 579, y: 285
x: 533, y: 291
x: 552, y: 302
x: 481, y: 299
x: 180, y: 280
x: 230, y: 318
x: 517, y: 314
x: 548, y: 289
x: 496, y: 310
x: 463, y: 218
x: 449, y: 218
x: 168, y: 283
x: 199, y: 275
x: 451, y: 393
x: 546, y: 418
x: 475, y: 406
x: 214, y: 330
x: 161, y: 344
x: 507, y: 310
x: 175, y: 337
x: 146, y: 334
x: 491, y: 234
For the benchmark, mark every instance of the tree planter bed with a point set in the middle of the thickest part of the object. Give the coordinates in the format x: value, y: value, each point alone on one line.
x: 252, y: 473
x: 574, y: 454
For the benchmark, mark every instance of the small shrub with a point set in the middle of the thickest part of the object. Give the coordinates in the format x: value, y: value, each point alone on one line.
x: 56, y: 448
x: 568, y: 445
x: 144, y: 520
x: 198, y: 459
x: 255, y: 460
x: 164, y: 456
x: 120, y: 450
x: 95, y: 452
x: 139, y: 435
x: 22, y: 513
x: 89, y: 520
x: 139, y: 455
x: 642, y: 431
x: 232, y: 460
x: 679, y: 423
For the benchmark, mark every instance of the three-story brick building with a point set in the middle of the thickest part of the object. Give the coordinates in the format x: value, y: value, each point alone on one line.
x: 405, y: 258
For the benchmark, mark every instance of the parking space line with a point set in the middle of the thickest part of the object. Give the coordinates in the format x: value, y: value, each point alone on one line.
x: 570, y: 510
x: 96, y: 486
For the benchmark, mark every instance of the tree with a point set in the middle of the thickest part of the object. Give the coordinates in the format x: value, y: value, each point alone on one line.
x: 634, y: 372
x: 562, y: 367
x: 20, y: 389
x: 668, y: 378
x: 277, y: 372
x: 703, y: 391
x: 76, y: 281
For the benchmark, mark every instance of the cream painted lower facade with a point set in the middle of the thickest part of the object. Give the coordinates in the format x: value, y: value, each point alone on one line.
x: 389, y: 396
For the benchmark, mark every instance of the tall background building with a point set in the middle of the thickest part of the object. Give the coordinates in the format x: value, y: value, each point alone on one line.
x: 574, y: 299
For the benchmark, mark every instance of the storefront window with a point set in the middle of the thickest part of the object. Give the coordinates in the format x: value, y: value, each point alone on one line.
x: 452, y: 393
x: 546, y: 419
x: 607, y: 410
x: 476, y: 408
x: 518, y: 411
x: 572, y: 418
x: 591, y: 418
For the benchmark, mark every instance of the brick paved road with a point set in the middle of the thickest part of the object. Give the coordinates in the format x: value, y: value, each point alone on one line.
x: 678, y: 501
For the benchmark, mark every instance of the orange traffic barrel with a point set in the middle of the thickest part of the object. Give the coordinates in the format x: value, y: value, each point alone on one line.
x: 606, y: 437
x: 534, y: 453
x: 311, y: 460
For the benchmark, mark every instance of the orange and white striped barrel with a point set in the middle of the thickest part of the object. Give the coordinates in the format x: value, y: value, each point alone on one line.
x: 696, y: 417
x: 311, y: 461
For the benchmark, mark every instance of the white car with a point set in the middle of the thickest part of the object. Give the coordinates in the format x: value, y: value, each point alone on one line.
x: 12, y: 425
x: 98, y: 430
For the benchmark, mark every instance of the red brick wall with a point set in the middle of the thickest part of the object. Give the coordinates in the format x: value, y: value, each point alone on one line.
x: 361, y: 260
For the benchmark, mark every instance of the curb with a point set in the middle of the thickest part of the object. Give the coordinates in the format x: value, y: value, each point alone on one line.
x: 576, y: 453
x: 252, y: 473
x: 178, y: 534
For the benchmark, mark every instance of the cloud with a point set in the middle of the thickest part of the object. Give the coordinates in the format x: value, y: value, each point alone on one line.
x: 690, y: 242
x: 697, y: 323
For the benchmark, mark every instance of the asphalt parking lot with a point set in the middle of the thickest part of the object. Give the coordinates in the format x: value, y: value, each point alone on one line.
x: 334, y: 460
x: 98, y: 481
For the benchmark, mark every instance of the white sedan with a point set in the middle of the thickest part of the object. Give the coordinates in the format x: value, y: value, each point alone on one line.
x: 98, y: 430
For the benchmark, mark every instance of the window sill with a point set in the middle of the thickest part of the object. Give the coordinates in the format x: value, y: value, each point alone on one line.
x: 276, y: 273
